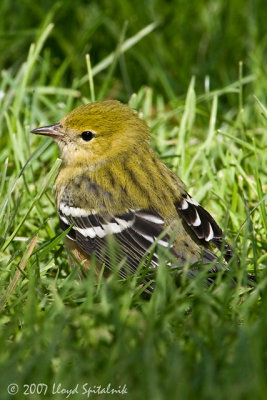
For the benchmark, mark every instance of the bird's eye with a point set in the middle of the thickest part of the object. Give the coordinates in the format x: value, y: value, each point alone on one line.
x: 87, y: 135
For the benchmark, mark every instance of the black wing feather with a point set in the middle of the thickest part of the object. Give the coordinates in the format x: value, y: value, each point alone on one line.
x: 135, y: 231
x: 202, y: 224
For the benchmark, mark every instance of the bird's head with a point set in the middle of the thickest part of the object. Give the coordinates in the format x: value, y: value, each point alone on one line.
x: 96, y: 132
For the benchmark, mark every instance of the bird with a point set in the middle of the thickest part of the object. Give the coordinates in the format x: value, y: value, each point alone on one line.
x: 113, y: 191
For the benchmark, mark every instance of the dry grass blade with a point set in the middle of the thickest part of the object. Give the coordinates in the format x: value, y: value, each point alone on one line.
x: 19, y: 272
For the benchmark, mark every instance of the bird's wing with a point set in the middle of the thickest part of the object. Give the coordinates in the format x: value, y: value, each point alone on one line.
x: 202, y: 224
x: 135, y: 231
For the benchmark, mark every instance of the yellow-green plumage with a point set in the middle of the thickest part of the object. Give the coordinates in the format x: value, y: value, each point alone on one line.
x: 116, y: 173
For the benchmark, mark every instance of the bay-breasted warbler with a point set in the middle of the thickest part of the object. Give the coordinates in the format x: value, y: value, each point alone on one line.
x: 112, y: 185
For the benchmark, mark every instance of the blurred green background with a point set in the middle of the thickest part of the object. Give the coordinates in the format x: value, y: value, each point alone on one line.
x: 187, y: 342
x: 202, y: 38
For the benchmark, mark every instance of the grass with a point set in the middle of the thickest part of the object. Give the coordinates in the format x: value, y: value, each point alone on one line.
x: 188, y: 342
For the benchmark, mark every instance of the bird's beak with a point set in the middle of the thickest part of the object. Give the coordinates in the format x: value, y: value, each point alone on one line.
x: 55, y: 131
